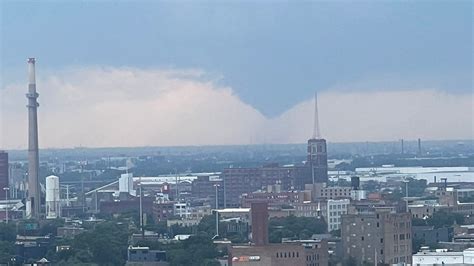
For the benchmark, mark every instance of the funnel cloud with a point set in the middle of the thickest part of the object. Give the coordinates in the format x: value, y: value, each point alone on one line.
x: 108, y: 106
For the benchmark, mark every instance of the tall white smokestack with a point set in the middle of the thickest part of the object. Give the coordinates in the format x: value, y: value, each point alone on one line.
x: 34, y: 196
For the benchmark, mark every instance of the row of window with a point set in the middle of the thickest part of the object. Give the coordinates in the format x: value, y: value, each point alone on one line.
x: 339, y: 206
x: 288, y: 254
x: 339, y: 213
x: 312, y: 257
x: 397, y: 237
x: 401, y: 259
x: 402, y: 248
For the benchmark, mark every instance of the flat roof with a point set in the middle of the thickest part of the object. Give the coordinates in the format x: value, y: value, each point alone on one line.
x: 228, y: 210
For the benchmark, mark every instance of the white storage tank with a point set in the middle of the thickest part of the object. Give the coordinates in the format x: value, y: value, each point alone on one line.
x: 53, y: 208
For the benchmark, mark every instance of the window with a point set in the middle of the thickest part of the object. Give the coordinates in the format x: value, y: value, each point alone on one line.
x: 402, y: 236
x: 362, y: 238
x: 381, y: 240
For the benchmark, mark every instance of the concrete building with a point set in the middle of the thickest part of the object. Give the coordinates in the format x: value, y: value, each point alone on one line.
x: 276, y: 198
x: 464, y: 193
x: 429, y: 236
x: 317, y: 159
x: 144, y: 256
x: 3, y: 174
x: 334, y: 210
x: 310, y: 209
x: 383, y: 236
x: 444, y: 257
x: 322, y: 191
x: 126, y: 184
x: 181, y: 210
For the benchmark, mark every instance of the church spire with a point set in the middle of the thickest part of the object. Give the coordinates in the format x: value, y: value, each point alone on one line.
x: 316, y: 132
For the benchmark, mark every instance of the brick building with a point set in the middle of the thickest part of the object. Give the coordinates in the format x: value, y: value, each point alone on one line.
x: 163, y: 211
x: 275, y: 198
x: 239, y: 181
x: 204, y: 188
x: 304, y: 253
x: 3, y: 173
x: 259, y: 223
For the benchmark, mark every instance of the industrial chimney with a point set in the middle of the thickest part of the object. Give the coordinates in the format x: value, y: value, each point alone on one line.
x: 34, y: 197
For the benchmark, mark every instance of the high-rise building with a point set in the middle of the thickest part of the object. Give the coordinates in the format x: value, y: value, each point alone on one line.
x: 380, y: 236
x: 259, y: 220
x: 317, y: 156
x: 3, y: 173
x: 34, y: 193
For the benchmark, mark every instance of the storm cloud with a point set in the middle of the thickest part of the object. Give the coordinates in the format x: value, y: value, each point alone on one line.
x: 107, y: 106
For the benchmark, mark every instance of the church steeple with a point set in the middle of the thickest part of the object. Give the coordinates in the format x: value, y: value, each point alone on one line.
x: 316, y: 130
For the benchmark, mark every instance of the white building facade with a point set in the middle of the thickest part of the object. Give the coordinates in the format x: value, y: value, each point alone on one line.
x: 335, y: 208
x: 444, y: 257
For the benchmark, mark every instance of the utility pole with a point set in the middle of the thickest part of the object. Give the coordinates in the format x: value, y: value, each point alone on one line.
x: 6, y: 189
x: 141, y: 208
x: 67, y: 196
x: 177, y: 184
x: 96, y: 202
x: 225, y: 196
x: 217, y: 213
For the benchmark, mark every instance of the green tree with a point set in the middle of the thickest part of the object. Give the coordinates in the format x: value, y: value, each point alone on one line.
x: 106, y: 244
x: 50, y: 227
x: 197, y: 250
x: 295, y: 228
x: 444, y: 219
x: 7, y: 240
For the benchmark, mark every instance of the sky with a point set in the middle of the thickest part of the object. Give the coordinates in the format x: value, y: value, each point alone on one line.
x: 138, y: 73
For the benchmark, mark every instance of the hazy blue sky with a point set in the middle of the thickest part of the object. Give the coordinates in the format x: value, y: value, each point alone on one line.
x: 137, y: 73
x: 272, y: 53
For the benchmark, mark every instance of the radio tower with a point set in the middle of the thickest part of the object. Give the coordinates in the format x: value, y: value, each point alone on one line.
x: 34, y: 196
